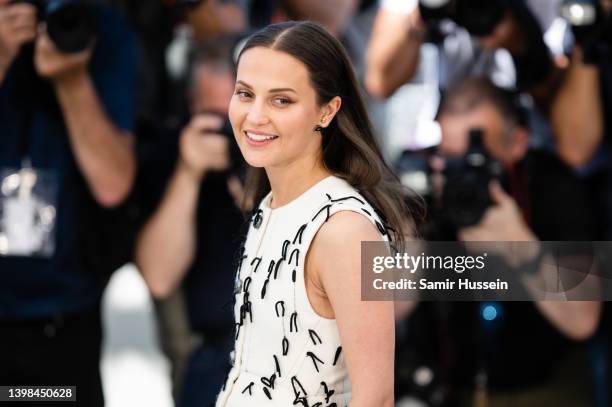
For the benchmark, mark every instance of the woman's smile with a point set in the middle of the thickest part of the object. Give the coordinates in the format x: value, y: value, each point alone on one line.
x: 259, y: 138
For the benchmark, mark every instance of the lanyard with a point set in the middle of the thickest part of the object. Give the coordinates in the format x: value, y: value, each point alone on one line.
x: 26, y: 83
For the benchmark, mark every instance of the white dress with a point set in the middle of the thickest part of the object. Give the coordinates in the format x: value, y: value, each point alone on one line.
x: 285, y: 354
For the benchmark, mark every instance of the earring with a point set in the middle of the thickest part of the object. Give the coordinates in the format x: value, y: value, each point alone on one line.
x: 319, y: 128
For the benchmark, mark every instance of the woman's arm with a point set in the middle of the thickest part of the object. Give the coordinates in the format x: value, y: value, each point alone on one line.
x: 366, y: 328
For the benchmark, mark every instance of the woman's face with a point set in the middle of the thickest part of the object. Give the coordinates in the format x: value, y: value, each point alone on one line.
x: 274, y: 110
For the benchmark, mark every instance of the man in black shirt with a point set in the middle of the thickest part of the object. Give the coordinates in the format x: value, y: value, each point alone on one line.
x: 192, y: 238
x: 66, y: 137
x: 521, y: 353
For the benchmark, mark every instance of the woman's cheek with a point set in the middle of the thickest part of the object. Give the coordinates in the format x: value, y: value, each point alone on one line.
x: 235, y: 117
x: 232, y: 112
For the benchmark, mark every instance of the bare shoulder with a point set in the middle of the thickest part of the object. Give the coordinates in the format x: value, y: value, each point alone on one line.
x: 344, y: 231
x: 334, y: 258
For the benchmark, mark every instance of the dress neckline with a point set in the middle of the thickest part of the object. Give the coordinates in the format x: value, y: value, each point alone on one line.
x: 303, y: 197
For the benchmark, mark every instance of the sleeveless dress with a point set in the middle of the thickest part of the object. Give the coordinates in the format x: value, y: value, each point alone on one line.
x: 285, y: 354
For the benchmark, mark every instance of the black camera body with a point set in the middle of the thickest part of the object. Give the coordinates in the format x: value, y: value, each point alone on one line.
x: 464, y: 197
x: 479, y: 17
x: 591, y: 27
x: 72, y: 24
x: 237, y: 163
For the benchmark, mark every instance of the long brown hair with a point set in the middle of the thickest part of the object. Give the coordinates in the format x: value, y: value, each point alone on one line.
x: 350, y: 150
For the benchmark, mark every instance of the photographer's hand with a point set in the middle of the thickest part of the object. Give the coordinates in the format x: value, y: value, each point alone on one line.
x: 201, y: 148
x: 59, y: 67
x: 103, y: 151
x: 17, y: 27
x: 501, y: 225
x: 507, y: 34
x: 501, y: 222
x: 166, y: 246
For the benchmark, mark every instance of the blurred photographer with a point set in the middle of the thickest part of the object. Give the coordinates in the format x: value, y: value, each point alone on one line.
x: 67, y: 71
x: 582, y: 117
x: 584, y: 97
x: 582, y: 108
x: 495, y: 189
x: 188, y: 246
x: 468, y: 42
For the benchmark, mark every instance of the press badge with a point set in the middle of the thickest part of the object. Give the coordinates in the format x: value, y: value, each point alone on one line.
x: 28, y: 202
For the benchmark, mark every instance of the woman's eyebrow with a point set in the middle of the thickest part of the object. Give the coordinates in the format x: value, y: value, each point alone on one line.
x: 282, y: 90
x: 243, y: 83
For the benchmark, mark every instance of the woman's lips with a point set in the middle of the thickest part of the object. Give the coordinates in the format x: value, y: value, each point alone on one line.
x: 259, y: 139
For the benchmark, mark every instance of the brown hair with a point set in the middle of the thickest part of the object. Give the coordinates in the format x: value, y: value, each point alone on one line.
x: 475, y: 91
x: 350, y: 150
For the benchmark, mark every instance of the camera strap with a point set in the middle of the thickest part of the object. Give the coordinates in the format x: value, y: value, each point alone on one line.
x: 25, y: 80
x: 28, y: 199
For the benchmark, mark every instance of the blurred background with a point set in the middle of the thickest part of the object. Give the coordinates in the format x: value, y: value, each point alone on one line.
x: 121, y: 185
x: 134, y: 369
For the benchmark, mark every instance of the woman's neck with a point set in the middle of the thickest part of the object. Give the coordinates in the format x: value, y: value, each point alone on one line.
x: 288, y: 183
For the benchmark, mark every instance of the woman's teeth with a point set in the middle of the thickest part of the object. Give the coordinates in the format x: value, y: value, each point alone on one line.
x: 258, y: 137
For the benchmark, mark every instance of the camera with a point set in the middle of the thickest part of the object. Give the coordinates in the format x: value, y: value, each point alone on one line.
x: 591, y: 27
x: 463, y: 197
x: 481, y: 23
x: 237, y: 166
x: 71, y: 24
x: 237, y: 162
x: 580, y: 12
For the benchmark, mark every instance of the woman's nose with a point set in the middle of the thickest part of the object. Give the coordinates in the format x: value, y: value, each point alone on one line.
x: 257, y: 114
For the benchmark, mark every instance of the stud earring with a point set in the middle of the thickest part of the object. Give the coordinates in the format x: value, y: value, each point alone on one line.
x: 319, y: 128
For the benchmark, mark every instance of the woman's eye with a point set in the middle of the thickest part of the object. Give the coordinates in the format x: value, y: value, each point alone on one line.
x: 282, y: 101
x: 242, y: 93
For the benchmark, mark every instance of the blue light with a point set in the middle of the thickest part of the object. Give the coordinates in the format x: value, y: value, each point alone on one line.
x: 489, y: 313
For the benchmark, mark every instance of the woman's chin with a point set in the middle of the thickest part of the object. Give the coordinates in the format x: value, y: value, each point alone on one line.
x: 256, y: 162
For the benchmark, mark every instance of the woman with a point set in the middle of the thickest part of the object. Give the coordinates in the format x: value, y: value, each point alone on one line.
x: 303, y: 336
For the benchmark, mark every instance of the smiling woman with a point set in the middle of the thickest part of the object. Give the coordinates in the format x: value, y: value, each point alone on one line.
x: 275, y: 110
x: 303, y: 335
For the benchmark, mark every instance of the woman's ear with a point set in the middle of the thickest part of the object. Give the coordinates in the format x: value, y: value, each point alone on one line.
x: 329, y: 111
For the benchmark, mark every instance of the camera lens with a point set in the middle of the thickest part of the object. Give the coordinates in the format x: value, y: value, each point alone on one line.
x: 579, y: 12
x: 434, y: 3
x: 71, y: 24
